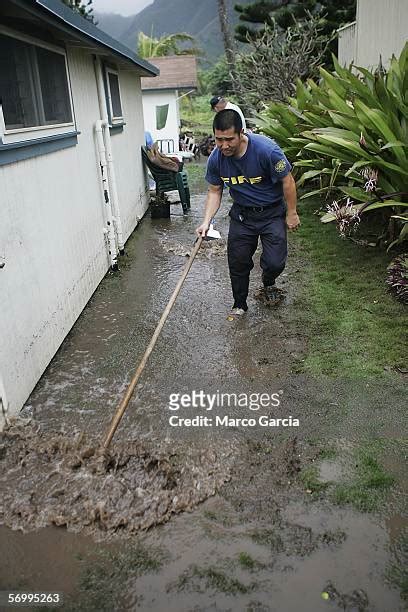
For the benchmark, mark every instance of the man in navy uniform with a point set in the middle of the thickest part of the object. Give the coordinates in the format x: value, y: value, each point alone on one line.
x: 263, y: 191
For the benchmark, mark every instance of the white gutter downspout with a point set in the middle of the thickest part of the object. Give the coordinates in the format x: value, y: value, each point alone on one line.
x: 109, y: 156
x: 106, y: 195
x: 4, y: 420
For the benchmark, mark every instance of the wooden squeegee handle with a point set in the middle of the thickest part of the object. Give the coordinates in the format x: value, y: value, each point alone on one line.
x: 123, y: 404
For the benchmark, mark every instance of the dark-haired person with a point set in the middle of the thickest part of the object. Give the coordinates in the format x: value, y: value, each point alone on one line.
x: 218, y: 103
x: 259, y: 179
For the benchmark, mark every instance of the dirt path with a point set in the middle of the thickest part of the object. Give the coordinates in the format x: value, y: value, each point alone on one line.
x: 303, y: 518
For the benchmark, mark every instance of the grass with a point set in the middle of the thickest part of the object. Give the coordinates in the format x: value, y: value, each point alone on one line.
x: 397, y: 573
x: 219, y: 581
x: 102, y: 578
x: 196, y: 176
x: 246, y: 561
x: 328, y: 453
x: 196, y: 114
x: 355, y: 327
x: 269, y: 537
x: 366, y: 488
x: 213, y: 578
x: 369, y: 484
x: 309, y: 477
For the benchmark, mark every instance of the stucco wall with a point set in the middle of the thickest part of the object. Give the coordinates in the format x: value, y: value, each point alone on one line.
x: 51, y: 234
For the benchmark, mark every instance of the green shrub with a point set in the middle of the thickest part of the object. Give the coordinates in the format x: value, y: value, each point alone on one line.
x: 349, y: 134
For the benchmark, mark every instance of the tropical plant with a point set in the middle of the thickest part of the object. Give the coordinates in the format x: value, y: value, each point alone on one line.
x: 350, y: 133
x: 170, y: 44
x: 82, y: 8
x: 277, y: 60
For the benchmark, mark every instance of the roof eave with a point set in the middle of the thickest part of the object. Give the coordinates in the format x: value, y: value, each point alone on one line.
x: 75, y: 22
x: 176, y: 88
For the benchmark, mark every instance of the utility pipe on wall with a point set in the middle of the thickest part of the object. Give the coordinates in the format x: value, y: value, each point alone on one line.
x: 106, y: 194
x: 109, y: 156
x: 4, y: 420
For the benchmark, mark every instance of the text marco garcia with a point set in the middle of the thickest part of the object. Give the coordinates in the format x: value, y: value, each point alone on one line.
x: 209, y: 401
x: 227, y: 421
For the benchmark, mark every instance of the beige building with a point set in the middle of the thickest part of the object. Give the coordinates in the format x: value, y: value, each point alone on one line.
x: 380, y: 30
x: 72, y: 182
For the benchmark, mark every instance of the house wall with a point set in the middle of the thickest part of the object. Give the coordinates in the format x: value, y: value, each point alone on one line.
x: 130, y: 173
x: 381, y: 30
x: 151, y: 99
x: 51, y: 234
x: 347, y: 44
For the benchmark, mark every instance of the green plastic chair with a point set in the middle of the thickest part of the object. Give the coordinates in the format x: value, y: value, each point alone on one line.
x: 166, y: 180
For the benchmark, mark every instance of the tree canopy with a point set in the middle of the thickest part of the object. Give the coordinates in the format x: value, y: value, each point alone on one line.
x: 283, y: 12
x: 82, y: 8
x: 148, y: 46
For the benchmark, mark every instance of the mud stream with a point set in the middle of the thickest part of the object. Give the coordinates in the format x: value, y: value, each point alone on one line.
x: 184, y: 518
x: 65, y: 480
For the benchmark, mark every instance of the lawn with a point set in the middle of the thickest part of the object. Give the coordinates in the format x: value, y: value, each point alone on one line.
x: 356, y: 327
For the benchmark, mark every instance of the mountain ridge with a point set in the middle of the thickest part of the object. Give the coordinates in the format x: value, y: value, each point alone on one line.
x: 164, y: 17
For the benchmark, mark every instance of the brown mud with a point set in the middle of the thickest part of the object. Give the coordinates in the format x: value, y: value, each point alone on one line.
x: 66, y: 480
x: 199, y: 519
x: 209, y: 248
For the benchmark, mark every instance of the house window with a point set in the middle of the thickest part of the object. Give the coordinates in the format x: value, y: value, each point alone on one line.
x: 34, y: 89
x: 114, y: 99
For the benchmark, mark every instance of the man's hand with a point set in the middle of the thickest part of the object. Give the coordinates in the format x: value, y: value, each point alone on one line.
x: 292, y: 220
x: 202, y: 229
x: 212, y: 204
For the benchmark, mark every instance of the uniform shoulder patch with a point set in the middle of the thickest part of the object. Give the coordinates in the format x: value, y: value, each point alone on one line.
x: 280, y: 165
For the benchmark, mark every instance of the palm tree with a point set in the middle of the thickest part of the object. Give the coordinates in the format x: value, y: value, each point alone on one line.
x: 148, y: 46
x: 229, y: 47
x: 226, y: 35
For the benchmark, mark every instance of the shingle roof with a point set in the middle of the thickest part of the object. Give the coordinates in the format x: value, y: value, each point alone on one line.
x: 176, y: 72
x: 66, y: 15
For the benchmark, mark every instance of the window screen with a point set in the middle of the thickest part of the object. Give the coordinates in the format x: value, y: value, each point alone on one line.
x: 17, y: 91
x: 54, y: 86
x: 33, y: 85
x: 115, y: 95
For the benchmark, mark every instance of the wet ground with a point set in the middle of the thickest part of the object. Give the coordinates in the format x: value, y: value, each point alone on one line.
x: 240, y: 516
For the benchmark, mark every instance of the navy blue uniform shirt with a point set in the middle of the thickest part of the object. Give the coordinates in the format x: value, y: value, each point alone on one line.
x: 255, y: 179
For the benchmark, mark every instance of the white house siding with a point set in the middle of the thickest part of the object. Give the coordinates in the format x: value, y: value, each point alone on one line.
x: 381, y: 30
x: 51, y: 232
x: 347, y: 44
x: 130, y: 174
x: 151, y: 99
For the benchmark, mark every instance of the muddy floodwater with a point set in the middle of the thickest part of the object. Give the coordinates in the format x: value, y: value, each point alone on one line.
x: 232, y: 513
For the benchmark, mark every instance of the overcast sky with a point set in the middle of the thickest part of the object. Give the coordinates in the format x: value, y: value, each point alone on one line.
x: 123, y: 7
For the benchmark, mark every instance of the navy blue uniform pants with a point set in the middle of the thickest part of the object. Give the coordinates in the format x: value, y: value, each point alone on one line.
x: 246, y: 227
